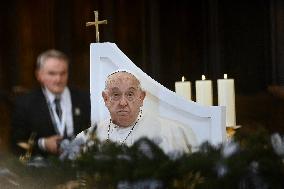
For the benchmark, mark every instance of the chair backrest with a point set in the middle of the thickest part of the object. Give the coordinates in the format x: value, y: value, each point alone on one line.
x: 207, y: 122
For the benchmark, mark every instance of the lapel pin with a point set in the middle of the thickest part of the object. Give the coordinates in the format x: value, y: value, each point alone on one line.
x: 77, y: 111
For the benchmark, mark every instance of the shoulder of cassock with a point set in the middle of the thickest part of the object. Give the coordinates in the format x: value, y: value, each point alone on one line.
x: 100, y: 129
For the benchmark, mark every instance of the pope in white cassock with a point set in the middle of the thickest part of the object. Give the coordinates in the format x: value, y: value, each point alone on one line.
x: 124, y: 96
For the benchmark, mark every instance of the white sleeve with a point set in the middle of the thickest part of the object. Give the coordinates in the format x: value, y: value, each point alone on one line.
x: 41, y: 144
x: 180, y: 137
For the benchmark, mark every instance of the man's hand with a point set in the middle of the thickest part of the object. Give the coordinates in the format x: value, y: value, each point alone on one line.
x: 52, y: 144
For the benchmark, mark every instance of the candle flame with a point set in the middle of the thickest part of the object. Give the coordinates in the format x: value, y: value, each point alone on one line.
x: 225, y: 76
x: 183, y: 79
x: 203, y: 77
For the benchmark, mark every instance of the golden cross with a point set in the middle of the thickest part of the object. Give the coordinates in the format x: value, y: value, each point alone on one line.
x: 96, y: 23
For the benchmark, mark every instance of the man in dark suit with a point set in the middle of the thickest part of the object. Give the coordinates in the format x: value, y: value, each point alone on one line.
x: 54, y: 111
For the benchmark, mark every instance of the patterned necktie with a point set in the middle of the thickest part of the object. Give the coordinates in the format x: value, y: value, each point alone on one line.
x: 58, y: 107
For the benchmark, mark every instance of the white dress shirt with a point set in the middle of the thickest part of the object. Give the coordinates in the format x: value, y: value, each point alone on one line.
x: 66, y: 121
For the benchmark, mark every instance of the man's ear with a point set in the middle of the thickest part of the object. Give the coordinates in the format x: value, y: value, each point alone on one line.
x: 37, y: 75
x: 105, y: 96
x: 142, y: 95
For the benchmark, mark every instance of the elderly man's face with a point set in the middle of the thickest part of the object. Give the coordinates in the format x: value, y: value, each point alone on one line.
x: 123, y: 98
x: 53, y: 75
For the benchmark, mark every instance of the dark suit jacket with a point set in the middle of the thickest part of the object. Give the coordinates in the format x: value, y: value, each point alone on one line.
x: 31, y: 114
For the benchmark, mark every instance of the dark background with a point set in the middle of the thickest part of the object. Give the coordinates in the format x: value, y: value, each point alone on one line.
x: 167, y: 40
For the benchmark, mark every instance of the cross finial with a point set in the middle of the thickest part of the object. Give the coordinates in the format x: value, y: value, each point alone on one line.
x: 96, y: 23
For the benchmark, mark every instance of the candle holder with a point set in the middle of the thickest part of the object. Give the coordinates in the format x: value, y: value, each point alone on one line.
x: 28, y: 146
x: 231, y: 131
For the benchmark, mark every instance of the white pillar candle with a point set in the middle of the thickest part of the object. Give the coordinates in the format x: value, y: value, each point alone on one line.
x: 226, y: 97
x: 204, y: 92
x: 183, y: 88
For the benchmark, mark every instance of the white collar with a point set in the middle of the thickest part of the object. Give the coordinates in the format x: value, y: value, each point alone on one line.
x: 51, y: 96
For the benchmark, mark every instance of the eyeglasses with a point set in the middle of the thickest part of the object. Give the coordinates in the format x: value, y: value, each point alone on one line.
x: 130, y: 96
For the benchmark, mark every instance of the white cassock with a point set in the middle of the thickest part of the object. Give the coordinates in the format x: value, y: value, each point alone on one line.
x: 170, y: 136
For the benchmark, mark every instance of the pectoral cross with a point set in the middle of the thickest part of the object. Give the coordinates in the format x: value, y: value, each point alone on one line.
x: 96, y: 23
